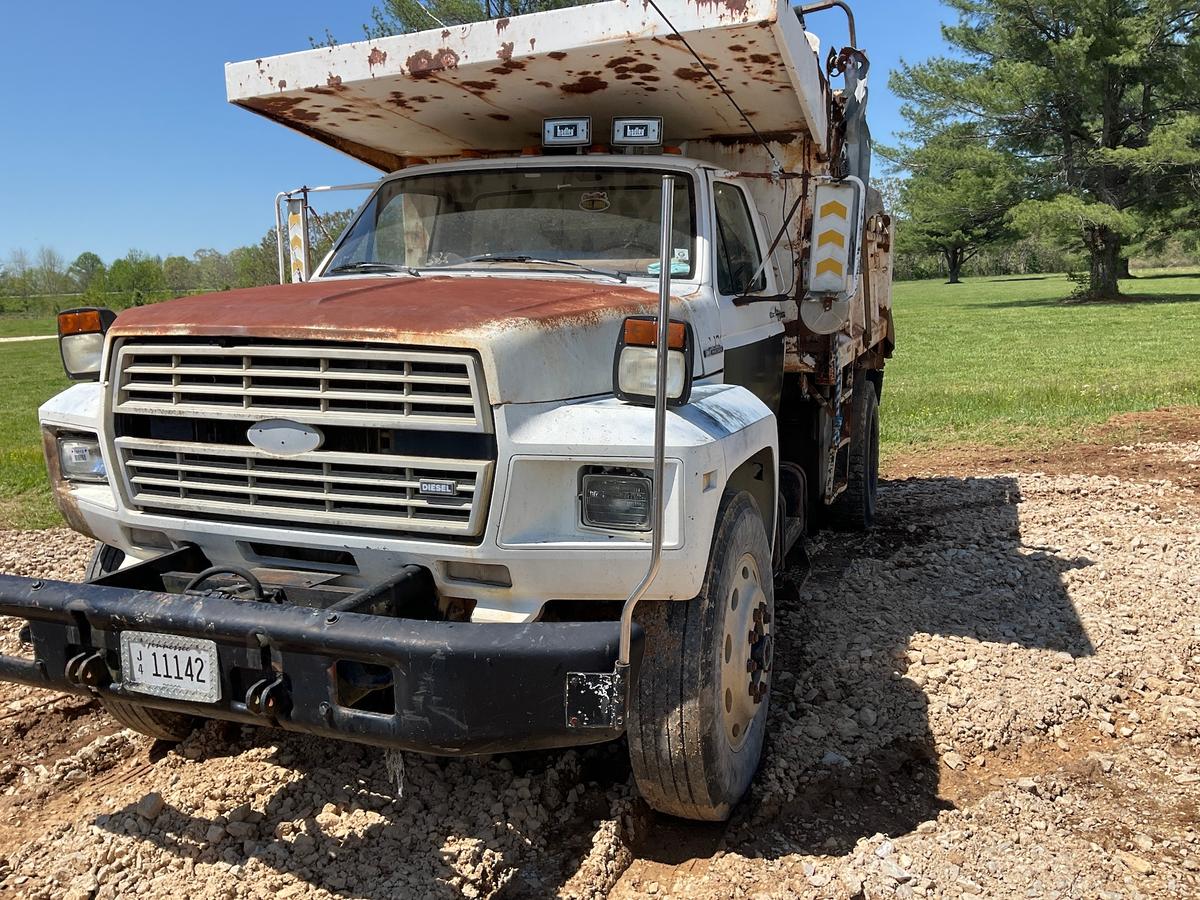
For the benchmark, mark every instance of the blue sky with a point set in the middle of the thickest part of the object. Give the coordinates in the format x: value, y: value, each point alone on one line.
x: 116, y: 133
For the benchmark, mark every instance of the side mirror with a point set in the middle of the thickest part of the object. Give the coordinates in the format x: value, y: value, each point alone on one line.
x: 81, y: 341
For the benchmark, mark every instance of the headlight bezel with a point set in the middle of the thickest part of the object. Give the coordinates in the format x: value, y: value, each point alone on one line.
x: 87, y: 326
x: 639, y: 334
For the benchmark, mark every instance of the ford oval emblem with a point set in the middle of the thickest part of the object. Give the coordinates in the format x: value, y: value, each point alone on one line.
x: 281, y: 437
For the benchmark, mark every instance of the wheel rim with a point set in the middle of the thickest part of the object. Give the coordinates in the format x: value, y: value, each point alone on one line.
x: 746, y: 650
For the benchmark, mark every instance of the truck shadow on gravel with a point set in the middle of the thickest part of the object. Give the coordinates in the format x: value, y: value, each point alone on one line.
x: 851, y: 750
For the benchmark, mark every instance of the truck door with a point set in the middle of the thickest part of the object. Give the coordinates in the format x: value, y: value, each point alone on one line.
x: 752, y: 331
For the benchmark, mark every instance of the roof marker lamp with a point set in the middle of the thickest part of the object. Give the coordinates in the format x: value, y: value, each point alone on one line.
x: 635, y: 368
x: 576, y: 132
x: 637, y: 132
x: 81, y: 340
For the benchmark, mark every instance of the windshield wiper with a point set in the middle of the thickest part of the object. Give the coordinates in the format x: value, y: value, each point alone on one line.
x: 371, y: 266
x: 524, y: 258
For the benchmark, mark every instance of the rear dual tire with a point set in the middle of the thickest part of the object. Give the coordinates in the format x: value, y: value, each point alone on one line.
x: 854, y: 509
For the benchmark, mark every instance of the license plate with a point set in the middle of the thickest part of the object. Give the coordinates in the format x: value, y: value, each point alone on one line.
x: 167, y: 665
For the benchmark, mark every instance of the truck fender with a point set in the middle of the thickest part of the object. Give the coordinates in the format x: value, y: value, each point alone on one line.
x: 746, y: 430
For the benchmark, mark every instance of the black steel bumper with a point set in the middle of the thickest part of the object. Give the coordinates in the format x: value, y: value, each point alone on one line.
x: 456, y: 688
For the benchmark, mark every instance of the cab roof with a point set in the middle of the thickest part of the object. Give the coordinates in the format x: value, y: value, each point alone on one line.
x: 488, y: 86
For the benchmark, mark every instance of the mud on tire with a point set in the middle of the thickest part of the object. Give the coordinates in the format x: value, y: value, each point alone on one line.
x: 694, y: 740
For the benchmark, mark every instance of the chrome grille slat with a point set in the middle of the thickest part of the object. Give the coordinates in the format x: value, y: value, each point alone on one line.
x: 316, y: 384
x: 401, y: 388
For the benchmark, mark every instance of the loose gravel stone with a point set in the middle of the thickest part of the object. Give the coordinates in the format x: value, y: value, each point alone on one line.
x: 994, y: 694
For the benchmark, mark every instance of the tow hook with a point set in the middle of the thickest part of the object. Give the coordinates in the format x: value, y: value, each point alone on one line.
x: 269, y: 697
x: 88, y: 670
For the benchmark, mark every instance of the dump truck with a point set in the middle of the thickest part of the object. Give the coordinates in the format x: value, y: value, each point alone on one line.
x: 518, y: 463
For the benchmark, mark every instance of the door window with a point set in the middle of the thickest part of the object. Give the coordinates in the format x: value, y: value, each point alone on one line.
x: 738, y: 255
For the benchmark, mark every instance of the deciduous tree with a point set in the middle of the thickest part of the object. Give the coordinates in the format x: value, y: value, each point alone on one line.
x: 1086, y: 87
x: 957, y: 198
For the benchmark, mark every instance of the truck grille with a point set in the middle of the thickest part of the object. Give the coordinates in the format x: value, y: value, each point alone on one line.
x: 397, y: 388
x: 181, y: 412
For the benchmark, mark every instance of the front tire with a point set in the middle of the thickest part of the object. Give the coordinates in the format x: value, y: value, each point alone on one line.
x: 698, y: 715
x: 156, y: 723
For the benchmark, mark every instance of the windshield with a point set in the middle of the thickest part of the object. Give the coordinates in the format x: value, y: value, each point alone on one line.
x: 602, y: 219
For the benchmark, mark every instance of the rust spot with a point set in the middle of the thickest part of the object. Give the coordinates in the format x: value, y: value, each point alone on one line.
x: 376, y: 57
x: 501, y: 24
x: 506, y: 51
x: 479, y: 85
x: 282, y: 84
x: 386, y: 310
x: 690, y: 74
x: 423, y: 63
x: 445, y: 33
x: 760, y: 58
x: 589, y: 84
x: 290, y: 108
x: 737, y: 48
x: 557, y: 54
x: 507, y: 67
x: 499, y: 117
x: 623, y: 76
x: 619, y: 61
x: 334, y: 81
x: 544, y: 84
x: 341, y: 109
x: 532, y: 42
x: 642, y: 68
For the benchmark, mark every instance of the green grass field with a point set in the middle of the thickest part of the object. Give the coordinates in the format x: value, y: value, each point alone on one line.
x: 30, y: 373
x: 1004, y: 361
x: 993, y: 361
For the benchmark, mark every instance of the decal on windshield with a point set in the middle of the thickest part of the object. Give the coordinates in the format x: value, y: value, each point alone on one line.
x: 594, y: 201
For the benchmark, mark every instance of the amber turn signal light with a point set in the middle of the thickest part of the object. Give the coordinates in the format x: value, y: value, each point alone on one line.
x: 644, y: 333
x: 80, y: 321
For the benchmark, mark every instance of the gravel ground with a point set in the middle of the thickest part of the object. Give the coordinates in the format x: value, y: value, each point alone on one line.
x: 994, y: 694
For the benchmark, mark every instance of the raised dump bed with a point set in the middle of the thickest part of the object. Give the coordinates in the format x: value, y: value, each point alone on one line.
x: 487, y: 87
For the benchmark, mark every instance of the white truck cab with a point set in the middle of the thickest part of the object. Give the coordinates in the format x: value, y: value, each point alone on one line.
x: 517, y: 464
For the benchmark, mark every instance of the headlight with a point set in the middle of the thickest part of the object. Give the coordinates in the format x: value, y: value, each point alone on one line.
x: 81, y: 340
x: 79, y: 458
x: 635, y: 370
x: 621, y: 502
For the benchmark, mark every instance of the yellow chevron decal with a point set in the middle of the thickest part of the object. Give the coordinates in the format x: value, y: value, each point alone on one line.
x: 834, y: 208
x: 832, y: 266
x: 832, y: 237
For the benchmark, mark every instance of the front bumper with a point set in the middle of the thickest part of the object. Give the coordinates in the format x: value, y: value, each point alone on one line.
x: 459, y: 688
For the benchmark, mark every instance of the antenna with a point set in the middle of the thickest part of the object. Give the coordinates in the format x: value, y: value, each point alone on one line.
x: 717, y: 81
x: 431, y: 15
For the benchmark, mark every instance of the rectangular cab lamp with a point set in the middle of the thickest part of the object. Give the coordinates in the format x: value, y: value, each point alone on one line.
x: 575, y: 132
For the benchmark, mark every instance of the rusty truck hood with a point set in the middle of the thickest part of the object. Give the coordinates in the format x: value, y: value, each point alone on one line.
x: 538, y: 339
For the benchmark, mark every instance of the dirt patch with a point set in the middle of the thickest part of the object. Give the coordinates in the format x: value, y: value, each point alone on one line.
x: 996, y: 693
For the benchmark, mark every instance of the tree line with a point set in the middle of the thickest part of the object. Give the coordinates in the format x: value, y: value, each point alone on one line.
x: 140, y: 277
x: 1075, y: 124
